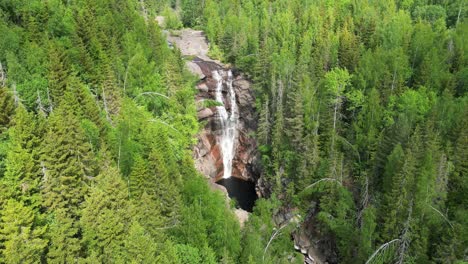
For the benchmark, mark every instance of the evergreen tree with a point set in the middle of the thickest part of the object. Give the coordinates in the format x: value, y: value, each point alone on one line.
x: 58, y: 74
x: 105, y: 216
x: 68, y: 162
x: 160, y: 185
x: 348, y: 51
x: 21, y: 237
x: 139, y: 246
x: 63, y: 235
x: 23, y: 173
x: 6, y: 108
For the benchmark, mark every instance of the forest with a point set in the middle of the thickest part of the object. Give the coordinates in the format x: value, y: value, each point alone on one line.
x: 362, y: 131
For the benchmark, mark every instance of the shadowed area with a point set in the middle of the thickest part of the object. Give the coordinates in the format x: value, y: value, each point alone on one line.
x: 242, y: 191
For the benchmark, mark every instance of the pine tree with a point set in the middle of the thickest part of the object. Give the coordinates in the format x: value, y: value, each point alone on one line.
x: 6, y: 108
x: 58, y: 74
x: 111, y: 94
x: 63, y: 235
x: 68, y: 161
x: 23, y: 173
x: 264, y: 125
x: 160, y: 185
x: 348, y: 50
x: 138, y: 178
x: 139, y: 246
x: 147, y: 211
x: 155, y: 198
x: 295, y: 123
x: 397, y: 193
x: 20, y: 236
x: 367, y: 234
x: 105, y: 216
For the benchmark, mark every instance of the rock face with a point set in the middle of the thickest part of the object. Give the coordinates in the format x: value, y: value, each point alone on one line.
x: 207, y: 153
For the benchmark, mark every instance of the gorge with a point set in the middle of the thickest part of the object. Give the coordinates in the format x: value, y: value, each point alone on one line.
x: 226, y: 150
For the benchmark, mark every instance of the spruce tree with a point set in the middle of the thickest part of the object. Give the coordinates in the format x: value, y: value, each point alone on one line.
x: 21, y: 237
x: 67, y: 161
x: 58, y: 74
x: 23, y: 172
x: 105, y: 216
x: 6, y: 109
x: 63, y: 235
x: 139, y: 246
x: 264, y: 125
x: 161, y: 186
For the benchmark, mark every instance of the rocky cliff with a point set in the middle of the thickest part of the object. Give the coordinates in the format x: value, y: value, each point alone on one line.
x: 207, y: 154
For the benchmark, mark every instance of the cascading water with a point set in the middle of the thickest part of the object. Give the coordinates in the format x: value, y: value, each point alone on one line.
x: 228, y: 121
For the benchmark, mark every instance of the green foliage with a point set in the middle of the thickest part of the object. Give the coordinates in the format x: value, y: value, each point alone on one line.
x: 97, y: 119
x: 22, y: 239
x: 171, y: 19
x: 355, y: 92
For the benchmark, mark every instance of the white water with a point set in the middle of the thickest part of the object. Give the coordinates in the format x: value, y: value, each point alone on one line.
x: 228, y: 121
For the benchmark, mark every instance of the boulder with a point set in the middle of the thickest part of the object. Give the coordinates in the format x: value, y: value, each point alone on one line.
x: 205, y: 113
x: 202, y: 87
x: 242, y: 216
x: 195, y: 69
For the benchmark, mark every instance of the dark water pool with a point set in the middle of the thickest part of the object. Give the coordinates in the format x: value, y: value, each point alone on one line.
x: 242, y: 191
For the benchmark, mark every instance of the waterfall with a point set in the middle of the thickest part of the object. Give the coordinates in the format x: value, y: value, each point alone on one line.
x: 228, y: 121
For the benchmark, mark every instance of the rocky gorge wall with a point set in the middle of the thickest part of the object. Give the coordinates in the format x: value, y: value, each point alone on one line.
x: 207, y: 153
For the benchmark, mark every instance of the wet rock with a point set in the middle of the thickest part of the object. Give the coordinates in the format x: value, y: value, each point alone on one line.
x: 205, y: 113
x: 202, y: 87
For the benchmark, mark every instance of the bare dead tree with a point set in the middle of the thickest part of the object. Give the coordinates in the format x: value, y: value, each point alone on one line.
x: 441, y: 214
x: 164, y: 123
x: 153, y: 93
x: 459, y: 11
x: 143, y: 10
x: 3, y: 76
x: 382, y: 249
x: 273, y: 236
x: 106, y: 109
x: 44, y: 172
x: 16, y: 97
x: 405, y: 238
x: 40, y: 106
x: 321, y: 180
x: 364, y: 200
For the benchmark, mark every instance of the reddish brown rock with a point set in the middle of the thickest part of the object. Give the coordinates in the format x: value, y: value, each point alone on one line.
x: 205, y: 113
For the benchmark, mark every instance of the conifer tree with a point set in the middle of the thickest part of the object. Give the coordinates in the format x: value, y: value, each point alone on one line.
x: 23, y: 173
x: 58, y: 74
x: 6, y: 109
x: 348, y: 50
x: 110, y: 93
x: 138, y: 177
x: 68, y: 162
x: 21, y: 237
x: 397, y: 194
x: 139, y: 246
x: 161, y: 186
x: 264, y: 125
x: 63, y: 235
x: 105, y: 216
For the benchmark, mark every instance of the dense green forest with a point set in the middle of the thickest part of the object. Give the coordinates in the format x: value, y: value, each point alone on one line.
x: 362, y: 117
